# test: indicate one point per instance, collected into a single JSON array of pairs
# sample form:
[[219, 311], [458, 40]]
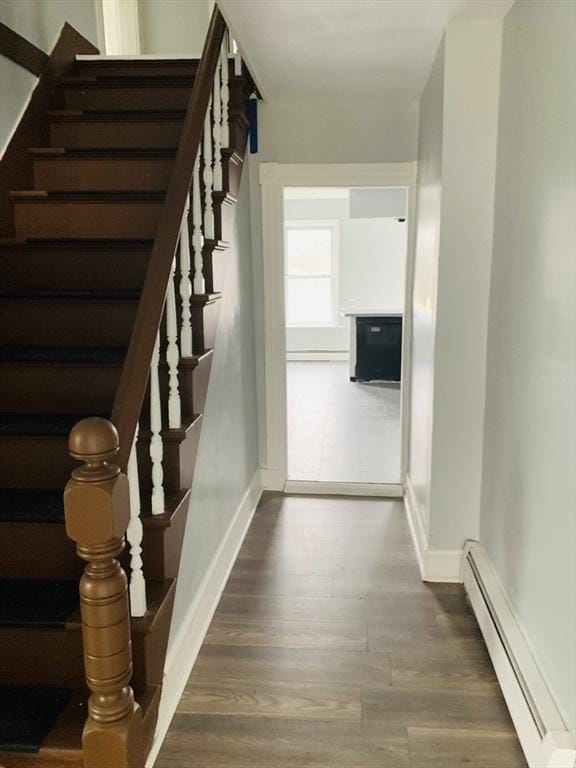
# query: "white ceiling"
[[352, 50]]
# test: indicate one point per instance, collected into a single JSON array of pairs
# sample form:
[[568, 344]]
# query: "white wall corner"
[[184, 649], [537, 717], [272, 479], [436, 565]]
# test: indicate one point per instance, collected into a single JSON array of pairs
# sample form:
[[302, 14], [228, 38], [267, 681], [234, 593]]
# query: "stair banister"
[[102, 500], [136, 369], [97, 512]]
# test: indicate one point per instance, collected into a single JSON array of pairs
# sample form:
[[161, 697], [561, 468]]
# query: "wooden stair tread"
[[129, 80], [54, 603], [204, 298], [129, 61], [24, 505], [75, 242], [39, 424], [19, 505], [178, 434], [65, 355], [28, 714], [116, 115], [81, 295], [97, 153], [62, 744], [35, 603], [172, 503], [91, 196]]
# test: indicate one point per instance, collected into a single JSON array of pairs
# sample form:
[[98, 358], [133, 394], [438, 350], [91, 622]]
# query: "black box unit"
[[378, 348]]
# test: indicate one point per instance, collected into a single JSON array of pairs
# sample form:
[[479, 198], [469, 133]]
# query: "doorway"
[[337, 245], [344, 288]]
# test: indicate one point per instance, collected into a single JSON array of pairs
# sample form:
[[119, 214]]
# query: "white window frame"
[[334, 226]]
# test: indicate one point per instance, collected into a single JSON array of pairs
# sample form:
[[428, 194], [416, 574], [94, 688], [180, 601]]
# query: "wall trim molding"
[[186, 645], [324, 488], [437, 565], [315, 355], [541, 728]]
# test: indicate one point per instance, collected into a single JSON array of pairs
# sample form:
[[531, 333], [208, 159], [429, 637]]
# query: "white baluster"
[[237, 58], [208, 178], [185, 284], [225, 94], [197, 237], [172, 356], [217, 130], [134, 536], [156, 447]]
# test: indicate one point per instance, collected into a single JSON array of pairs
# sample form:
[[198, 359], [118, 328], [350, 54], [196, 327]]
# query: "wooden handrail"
[[136, 369], [22, 51]]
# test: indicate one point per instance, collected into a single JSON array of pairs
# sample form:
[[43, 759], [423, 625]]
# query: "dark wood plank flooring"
[[327, 651]]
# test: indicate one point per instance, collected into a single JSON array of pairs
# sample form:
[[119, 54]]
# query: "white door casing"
[[274, 178]]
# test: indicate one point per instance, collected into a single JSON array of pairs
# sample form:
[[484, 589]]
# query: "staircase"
[[109, 301]]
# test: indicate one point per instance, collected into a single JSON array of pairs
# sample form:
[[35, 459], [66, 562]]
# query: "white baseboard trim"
[[438, 565], [314, 355], [417, 529], [541, 728], [324, 488], [188, 641]]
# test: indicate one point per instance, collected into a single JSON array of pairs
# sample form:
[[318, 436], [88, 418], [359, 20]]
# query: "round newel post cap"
[[95, 442]]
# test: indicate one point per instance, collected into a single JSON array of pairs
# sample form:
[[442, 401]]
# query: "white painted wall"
[[452, 274], [528, 493], [228, 451], [472, 66], [429, 195], [40, 22], [176, 27], [371, 268]]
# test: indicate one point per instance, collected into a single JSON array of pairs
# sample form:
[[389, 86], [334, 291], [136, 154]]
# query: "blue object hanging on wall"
[[253, 115]]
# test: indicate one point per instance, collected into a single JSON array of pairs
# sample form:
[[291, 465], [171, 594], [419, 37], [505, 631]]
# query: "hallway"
[[327, 651]]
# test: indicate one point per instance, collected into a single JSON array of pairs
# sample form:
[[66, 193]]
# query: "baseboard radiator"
[[545, 738]]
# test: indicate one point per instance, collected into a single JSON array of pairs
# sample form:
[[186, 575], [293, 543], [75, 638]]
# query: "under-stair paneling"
[[228, 452]]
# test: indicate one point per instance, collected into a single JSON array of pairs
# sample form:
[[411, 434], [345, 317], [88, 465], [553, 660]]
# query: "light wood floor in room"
[[327, 651]]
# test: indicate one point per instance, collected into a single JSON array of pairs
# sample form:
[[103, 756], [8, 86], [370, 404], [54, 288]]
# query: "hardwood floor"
[[327, 651]]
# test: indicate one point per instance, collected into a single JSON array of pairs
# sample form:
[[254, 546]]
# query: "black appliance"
[[378, 348]]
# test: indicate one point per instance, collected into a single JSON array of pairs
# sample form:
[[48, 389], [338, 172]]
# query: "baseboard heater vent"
[[545, 738]]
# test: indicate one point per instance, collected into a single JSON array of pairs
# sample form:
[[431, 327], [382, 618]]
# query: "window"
[[310, 256]]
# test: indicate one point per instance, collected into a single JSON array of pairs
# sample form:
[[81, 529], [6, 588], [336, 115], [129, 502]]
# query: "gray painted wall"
[[346, 132], [429, 194], [452, 280], [529, 498], [176, 27], [470, 125], [40, 22], [228, 451], [371, 268]]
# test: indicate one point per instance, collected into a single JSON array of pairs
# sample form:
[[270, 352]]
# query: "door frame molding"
[[273, 178]]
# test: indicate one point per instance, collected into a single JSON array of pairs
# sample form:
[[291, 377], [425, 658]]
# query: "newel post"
[[97, 509]]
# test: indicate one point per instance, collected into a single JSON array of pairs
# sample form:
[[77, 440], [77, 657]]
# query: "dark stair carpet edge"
[[21, 505], [78, 355], [40, 424], [27, 715], [37, 603]]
